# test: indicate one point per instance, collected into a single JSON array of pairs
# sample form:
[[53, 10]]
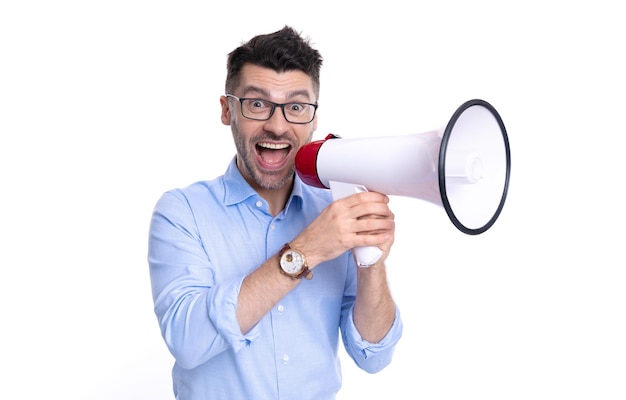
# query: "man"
[[252, 273]]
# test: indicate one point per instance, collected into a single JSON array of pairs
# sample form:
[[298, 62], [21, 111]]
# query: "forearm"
[[374, 308], [260, 291], [265, 286]]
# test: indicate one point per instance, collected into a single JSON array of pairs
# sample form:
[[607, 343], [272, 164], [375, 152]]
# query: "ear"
[[225, 110]]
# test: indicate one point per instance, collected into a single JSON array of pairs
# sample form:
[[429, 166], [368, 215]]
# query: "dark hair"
[[284, 50]]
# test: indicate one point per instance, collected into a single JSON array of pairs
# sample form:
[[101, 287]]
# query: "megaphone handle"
[[365, 256]]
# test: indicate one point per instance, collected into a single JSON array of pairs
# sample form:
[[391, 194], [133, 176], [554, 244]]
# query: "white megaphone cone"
[[464, 167]]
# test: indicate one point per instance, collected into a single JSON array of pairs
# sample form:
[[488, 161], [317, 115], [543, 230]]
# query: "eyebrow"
[[264, 93]]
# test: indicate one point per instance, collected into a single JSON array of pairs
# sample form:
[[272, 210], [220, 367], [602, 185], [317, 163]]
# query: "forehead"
[[277, 86]]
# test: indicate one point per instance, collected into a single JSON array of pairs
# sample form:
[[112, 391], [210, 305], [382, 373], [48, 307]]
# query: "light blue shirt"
[[204, 239]]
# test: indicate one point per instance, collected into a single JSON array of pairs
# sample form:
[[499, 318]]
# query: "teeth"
[[274, 146]]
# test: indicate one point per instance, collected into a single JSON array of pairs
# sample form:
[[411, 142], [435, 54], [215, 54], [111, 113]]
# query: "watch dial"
[[291, 262]]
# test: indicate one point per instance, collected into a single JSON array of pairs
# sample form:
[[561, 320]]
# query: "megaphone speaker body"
[[396, 165], [463, 167]]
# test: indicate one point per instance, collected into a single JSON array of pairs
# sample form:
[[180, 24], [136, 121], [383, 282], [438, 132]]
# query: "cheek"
[[240, 138], [306, 136]]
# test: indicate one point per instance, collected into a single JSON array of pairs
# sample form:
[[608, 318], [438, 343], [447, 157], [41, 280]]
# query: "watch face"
[[291, 262]]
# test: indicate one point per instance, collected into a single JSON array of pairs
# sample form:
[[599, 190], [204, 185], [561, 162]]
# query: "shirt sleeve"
[[185, 293], [371, 357]]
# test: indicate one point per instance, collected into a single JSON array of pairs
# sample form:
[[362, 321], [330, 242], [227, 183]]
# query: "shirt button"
[[285, 358], [259, 203], [281, 308]]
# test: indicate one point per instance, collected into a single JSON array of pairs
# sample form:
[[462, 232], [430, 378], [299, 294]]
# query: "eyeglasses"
[[262, 110]]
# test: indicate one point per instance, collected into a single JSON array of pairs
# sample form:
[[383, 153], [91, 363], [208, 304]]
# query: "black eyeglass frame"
[[274, 105]]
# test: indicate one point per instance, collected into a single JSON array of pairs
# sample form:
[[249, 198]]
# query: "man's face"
[[266, 150]]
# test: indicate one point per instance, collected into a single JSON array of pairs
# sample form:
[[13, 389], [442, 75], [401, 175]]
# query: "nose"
[[277, 122]]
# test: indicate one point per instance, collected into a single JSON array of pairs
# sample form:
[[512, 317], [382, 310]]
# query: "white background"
[[105, 105]]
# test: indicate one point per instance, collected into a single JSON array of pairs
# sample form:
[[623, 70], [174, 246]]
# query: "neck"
[[276, 198]]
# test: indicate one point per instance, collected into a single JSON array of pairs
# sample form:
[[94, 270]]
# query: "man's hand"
[[362, 219]]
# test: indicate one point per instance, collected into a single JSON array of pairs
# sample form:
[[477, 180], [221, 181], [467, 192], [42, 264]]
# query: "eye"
[[257, 104], [296, 108]]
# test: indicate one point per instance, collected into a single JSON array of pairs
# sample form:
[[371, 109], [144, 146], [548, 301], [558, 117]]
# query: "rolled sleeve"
[[222, 306], [371, 357]]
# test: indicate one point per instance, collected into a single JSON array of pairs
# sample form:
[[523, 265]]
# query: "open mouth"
[[273, 154]]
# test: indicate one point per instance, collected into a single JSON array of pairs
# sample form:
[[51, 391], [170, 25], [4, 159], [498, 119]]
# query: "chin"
[[273, 182]]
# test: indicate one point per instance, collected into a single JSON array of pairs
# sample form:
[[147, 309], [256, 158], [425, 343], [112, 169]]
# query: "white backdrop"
[[105, 105]]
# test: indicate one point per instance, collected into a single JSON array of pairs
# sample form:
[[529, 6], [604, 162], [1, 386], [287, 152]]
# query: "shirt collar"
[[237, 190]]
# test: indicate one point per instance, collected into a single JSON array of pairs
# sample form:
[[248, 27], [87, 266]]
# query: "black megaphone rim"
[[442, 164]]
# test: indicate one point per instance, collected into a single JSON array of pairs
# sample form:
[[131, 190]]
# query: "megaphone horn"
[[464, 167]]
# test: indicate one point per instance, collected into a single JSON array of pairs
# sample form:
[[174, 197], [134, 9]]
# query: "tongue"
[[272, 156]]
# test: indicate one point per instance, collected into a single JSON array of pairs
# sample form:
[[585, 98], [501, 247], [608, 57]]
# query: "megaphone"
[[464, 167]]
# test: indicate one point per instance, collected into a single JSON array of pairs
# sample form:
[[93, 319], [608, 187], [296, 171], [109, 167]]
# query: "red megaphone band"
[[306, 162]]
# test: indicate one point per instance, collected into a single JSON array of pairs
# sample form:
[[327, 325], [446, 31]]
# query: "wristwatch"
[[292, 263]]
